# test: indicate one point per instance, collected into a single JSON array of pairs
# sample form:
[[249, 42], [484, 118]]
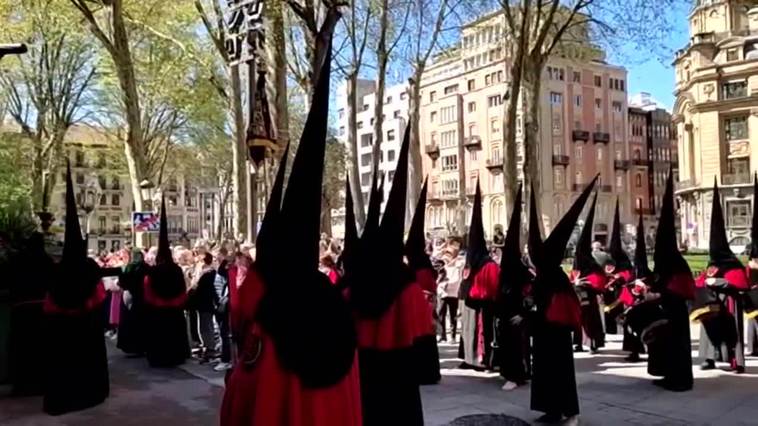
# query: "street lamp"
[[12, 49], [146, 190], [90, 194]]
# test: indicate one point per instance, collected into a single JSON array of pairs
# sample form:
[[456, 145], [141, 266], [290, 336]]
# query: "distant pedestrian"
[[205, 300]]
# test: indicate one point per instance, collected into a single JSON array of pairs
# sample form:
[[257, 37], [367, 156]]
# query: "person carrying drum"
[[620, 274], [589, 281], [719, 305]]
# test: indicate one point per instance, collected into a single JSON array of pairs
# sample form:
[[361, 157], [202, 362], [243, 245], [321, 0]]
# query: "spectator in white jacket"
[[448, 284]]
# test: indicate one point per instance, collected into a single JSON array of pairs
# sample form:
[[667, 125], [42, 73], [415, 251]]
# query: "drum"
[[613, 304], [706, 304], [647, 320], [585, 294]]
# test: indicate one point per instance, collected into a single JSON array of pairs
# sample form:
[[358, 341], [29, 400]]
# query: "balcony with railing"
[[736, 178], [605, 188], [684, 184], [579, 186], [472, 142], [433, 151], [560, 160], [643, 210], [641, 162], [621, 164], [495, 165], [601, 137], [580, 135]]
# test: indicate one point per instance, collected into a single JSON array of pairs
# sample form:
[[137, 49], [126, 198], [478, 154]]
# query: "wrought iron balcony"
[[640, 162], [621, 164], [601, 137], [495, 165], [433, 151], [472, 142], [736, 178], [560, 160], [580, 135]]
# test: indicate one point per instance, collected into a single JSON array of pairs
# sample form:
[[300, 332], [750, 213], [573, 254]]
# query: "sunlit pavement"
[[611, 391]]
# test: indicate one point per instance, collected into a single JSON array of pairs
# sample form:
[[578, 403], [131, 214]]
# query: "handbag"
[[564, 309]]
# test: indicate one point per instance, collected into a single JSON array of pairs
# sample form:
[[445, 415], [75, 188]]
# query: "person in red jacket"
[[589, 280], [297, 360], [426, 277], [620, 273], [479, 291], [721, 334]]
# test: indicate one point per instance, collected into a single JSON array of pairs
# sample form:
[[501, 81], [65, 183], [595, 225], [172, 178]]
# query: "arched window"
[[638, 180], [497, 215], [578, 178], [636, 155]]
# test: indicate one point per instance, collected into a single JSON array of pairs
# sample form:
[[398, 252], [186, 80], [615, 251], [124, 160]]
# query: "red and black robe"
[[592, 321], [478, 316], [166, 340]]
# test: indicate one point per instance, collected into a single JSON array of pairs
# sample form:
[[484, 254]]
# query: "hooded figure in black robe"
[[721, 334], [479, 292], [131, 328], [514, 305], [590, 280], [76, 365], [634, 292], [620, 273], [392, 313], [166, 340], [752, 271], [557, 315], [27, 294], [350, 242], [420, 264], [671, 357]]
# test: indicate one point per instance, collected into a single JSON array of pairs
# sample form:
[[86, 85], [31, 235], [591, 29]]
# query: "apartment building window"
[[390, 155], [448, 139], [433, 116], [495, 125], [488, 80], [557, 149], [735, 128], [103, 199], [578, 178], [388, 100], [556, 73], [577, 125], [471, 85], [365, 160], [638, 180], [432, 96], [367, 140], [598, 81], [451, 89], [390, 135], [341, 112], [79, 159], [731, 55], [472, 131], [734, 89], [619, 181], [616, 105], [599, 153], [577, 77], [558, 177], [556, 98], [739, 213], [495, 153], [365, 177], [115, 200], [396, 114], [471, 106], [101, 224], [472, 155], [578, 100], [433, 138], [556, 125], [622, 86], [80, 178], [447, 115], [115, 224], [360, 125], [598, 103], [494, 101], [450, 187], [518, 125], [499, 76], [449, 162], [578, 151], [101, 160]]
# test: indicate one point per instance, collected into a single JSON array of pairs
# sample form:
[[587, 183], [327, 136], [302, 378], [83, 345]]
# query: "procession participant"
[[448, 287], [620, 273], [27, 294], [589, 280], [513, 309], [634, 293], [350, 242], [479, 291], [77, 376], [296, 337], [752, 271], [165, 292], [131, 329], [426, 277], [392, 314], [557, 314], [674, 286], [721, 333]]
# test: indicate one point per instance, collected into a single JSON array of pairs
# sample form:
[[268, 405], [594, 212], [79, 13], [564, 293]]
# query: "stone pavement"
[[611, 392]]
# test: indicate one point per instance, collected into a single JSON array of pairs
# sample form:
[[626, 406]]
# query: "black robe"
[[166, 339], [131, 328], [513, 351], [76, 364], [671, 355], [27, 347]]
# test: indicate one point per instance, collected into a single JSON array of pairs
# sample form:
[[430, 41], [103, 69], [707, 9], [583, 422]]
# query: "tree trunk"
[[278, 64], [415, 167], [326, 215], [382, 57], [532, 89], [239, 165], [352, 150]]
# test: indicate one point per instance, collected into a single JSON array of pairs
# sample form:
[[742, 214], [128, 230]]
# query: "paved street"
[[612, 392]]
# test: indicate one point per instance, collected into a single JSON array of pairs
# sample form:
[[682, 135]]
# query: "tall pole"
[[252, 202]]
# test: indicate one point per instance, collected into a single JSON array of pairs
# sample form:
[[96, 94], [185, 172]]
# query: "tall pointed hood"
[[535, 243], [584, 262], [477, 254], [619, 256], [350, 242], [555, 244], [719, 252], [667, 258], [298, 293], [74, 248], [641, 268], [754, 228], [371, 227], [415, 246], [392, 226], [513, 273], [266, 239], [164, 249]]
